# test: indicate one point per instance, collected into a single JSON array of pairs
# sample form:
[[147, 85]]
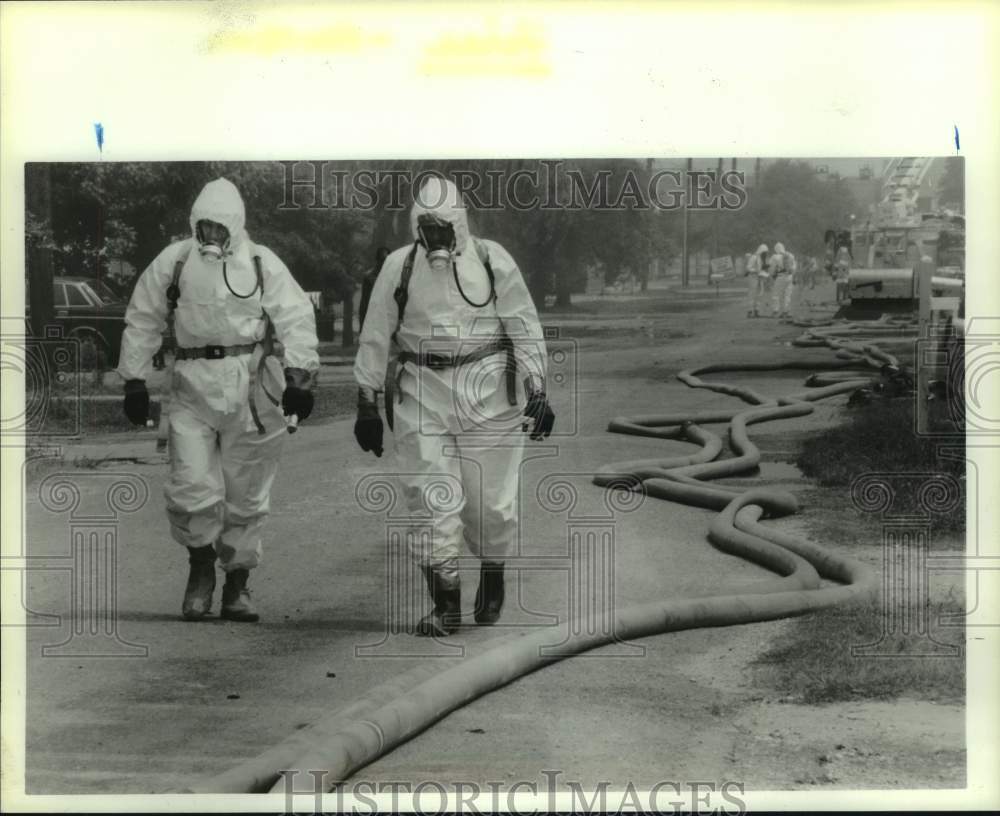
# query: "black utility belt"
[[444, 360], [213, 352]]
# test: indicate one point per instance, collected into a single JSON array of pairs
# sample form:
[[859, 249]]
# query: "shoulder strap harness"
[[401, 296], [402, 293], [268, 342]]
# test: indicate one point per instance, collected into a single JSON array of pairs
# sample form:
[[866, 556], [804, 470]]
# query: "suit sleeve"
[[146, 315], [291, 313], [520, 318], [380, 324]]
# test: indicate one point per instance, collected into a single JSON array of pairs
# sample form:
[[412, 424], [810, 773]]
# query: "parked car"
[[90, 310]]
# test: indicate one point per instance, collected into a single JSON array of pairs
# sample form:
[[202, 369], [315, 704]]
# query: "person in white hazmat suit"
[[228, 299], [470, 368], [784, 282], [757, 271], [778, 276]]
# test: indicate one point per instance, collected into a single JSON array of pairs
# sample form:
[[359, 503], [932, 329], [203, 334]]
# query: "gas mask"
[[438, 239], [213, 241]]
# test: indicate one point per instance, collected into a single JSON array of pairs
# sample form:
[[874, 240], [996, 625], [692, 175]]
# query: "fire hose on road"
[[394, 712]]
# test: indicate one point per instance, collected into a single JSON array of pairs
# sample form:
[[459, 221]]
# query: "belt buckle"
[[215, 352]]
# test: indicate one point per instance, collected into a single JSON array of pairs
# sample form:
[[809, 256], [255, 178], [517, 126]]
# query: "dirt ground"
[[675, 707]]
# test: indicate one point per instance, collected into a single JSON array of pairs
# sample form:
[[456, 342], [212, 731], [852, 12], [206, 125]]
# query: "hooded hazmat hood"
[[221, 202], [440, 197]]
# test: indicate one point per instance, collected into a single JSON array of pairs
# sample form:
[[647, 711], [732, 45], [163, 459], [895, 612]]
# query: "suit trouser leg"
[[490, 467], [249, 464], [194, 491], [431, 482]]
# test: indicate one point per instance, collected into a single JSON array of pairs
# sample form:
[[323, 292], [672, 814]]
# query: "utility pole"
[[687, 201]]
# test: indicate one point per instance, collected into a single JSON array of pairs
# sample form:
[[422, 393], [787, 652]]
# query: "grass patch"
[[829, 516], [812, 661], [879, 438]]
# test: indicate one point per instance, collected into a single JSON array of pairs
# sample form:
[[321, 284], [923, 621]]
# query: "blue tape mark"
[[958, 145], [99, 133]]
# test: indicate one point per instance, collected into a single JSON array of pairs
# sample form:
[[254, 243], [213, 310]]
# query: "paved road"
[[195, 699]]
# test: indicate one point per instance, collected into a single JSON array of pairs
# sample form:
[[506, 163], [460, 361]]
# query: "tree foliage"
[[97, 212], [790, 204]]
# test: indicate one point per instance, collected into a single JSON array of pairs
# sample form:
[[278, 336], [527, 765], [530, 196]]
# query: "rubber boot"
[[236, 603], [446, 593], [490, 595], [200, 584]]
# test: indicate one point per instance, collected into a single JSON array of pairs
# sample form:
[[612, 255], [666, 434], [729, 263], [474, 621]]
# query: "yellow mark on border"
[[518, 51], [270, 41]]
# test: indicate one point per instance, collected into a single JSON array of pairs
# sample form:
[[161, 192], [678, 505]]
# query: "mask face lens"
[[436, 234], [213, 240]]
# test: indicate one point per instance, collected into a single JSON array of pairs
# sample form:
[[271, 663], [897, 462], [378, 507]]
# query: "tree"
[[791, 204], [602, 216], [133, 210]]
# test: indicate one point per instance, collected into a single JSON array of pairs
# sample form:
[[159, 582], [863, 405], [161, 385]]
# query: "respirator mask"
[[213, 241], [438, 239]]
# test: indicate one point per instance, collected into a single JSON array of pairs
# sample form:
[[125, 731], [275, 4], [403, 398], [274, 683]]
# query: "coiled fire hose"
[[398, 710]]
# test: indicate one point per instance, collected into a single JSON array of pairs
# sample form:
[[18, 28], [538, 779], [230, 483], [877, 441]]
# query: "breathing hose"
[[398, 710]]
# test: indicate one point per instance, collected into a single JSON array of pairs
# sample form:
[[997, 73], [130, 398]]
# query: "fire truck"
[[899, 234]]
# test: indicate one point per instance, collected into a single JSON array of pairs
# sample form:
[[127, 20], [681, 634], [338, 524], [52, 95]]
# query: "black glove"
[[136, 402], [368, 426], [297, 399], [538, 409]]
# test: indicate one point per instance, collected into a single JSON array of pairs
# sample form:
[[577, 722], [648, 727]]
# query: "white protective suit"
[[222, 468], [759, 278], [784, 281], [779, 277], [455, 422]]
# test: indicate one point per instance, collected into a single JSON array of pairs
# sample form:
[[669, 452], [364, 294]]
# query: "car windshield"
[[104, 292]]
